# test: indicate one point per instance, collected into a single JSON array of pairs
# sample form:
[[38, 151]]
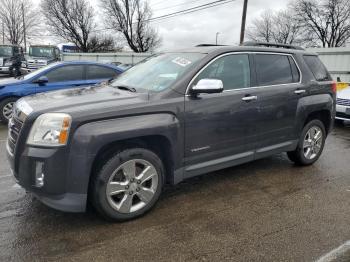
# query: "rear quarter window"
[[317, 68]]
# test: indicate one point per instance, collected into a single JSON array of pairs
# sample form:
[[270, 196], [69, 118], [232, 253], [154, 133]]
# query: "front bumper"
[[25, 70], [55, 192], [342, 113], [4, 70]]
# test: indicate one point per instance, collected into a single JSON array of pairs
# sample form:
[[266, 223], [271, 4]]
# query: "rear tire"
[[128, 185], [311, 144], [6, 106]]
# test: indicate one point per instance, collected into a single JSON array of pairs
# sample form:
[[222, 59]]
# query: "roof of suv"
[[226, 49]]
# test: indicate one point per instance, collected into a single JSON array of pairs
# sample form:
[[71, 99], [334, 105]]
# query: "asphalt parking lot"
[[268, 210]]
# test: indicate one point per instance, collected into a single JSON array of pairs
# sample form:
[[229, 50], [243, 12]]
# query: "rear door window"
[[317, 68], [66, 73], [100, 72], [273, 69]]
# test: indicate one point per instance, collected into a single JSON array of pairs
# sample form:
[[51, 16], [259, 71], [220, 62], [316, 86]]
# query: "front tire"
[[6, 107], [311, 144], [128, 185]]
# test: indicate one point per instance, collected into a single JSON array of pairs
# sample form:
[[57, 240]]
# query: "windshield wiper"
[[127, 88]]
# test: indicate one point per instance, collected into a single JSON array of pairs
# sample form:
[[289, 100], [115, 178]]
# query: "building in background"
[[337, 61]]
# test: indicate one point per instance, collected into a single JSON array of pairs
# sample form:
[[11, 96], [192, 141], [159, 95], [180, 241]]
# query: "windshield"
[[37, 51], [6, 51], [158, 72], [38, 71]]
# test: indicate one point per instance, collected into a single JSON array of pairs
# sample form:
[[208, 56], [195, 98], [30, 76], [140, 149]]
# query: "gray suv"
[[171, 117]]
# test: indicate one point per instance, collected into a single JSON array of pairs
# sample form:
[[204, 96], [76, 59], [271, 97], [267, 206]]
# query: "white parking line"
[[341, 253]]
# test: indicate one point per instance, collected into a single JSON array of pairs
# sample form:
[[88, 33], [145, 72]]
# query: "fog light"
[[39, 174]]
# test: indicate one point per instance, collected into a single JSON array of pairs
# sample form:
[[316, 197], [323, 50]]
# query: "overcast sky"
[[201, 27]]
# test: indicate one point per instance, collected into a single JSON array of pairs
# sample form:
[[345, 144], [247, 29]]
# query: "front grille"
[[35, 65], [14, 130], [343, 102]]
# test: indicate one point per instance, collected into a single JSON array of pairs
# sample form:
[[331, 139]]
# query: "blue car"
[[60, 75]]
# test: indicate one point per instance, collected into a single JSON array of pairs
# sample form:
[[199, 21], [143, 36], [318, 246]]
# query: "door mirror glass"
[[41, 80], [208, 86]]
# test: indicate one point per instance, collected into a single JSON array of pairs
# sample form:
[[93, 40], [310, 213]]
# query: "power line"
[[182, 12], [168, 7], [191, 10], [178, 13]]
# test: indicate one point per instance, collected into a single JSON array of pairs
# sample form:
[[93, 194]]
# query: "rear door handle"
[[249, 98], [299, 91]]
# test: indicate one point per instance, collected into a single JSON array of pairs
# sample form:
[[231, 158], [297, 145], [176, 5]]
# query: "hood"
[[10, 81], [84, 101], [344, 94]]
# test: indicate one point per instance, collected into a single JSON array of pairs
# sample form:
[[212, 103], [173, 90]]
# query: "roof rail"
[[266, 44], [202, 45]]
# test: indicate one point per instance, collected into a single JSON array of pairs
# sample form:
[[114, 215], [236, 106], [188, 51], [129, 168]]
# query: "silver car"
[[343, 104]]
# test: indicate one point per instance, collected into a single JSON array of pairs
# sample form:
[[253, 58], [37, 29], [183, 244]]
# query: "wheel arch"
[[158, 144], [321, 107], [10, 97], [323, 115]]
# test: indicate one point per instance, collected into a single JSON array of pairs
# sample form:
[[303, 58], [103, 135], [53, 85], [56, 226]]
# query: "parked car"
[[171, 117], [60, 75], [343, 105]]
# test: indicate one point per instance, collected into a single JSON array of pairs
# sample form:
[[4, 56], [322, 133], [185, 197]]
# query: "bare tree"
[[286, 29], [280, 27], [103, 44], [131, 18], [11, 16], [328, 21], [73, 20], [261, 28]]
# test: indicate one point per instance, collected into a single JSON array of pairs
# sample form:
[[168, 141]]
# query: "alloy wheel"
[[7, 110], [132, 186], [312, 142]]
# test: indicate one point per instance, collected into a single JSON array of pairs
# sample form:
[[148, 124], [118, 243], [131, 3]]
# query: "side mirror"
[[208, 86], [41, 80]]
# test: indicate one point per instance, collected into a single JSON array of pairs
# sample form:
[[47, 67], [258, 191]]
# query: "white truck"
[[42, 55]]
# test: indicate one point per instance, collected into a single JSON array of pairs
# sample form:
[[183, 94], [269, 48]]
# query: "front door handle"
[[249, 98], [299, 91]]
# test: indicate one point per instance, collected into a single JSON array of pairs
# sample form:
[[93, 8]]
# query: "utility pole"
[[244, 15], [216, 39], [24, 29]]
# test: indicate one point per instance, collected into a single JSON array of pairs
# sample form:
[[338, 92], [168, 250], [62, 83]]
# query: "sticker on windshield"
[[173, 76], [181, 61]]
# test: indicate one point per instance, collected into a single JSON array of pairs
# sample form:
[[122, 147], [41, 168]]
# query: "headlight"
[[51, 129], [8, 63]]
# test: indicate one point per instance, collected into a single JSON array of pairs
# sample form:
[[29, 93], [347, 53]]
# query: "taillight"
[[334, 87]]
